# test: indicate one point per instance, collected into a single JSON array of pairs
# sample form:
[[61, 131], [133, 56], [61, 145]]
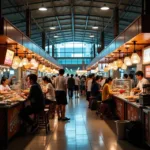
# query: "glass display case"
[[123, 86]]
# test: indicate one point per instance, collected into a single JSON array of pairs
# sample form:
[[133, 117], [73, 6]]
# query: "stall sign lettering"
[[147, 71], [9, 57]]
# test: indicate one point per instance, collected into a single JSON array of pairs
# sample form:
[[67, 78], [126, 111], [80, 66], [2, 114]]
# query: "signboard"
[[146, 56], [147, 71], [9, 57]]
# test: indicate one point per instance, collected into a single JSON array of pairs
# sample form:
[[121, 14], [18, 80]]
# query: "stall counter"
[[127, 110], [10, 121]]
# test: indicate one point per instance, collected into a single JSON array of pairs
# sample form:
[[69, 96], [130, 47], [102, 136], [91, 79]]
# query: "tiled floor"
[[85, 131]]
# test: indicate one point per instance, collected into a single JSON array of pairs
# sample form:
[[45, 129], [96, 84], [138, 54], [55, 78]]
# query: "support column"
[[94, 51], [116, 22], [102, 42], [1, 18], [28, 22], [53, 50], [48, 51], [43, 40], [145, 7]]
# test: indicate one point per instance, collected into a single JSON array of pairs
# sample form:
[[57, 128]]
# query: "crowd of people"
[[57, 88]]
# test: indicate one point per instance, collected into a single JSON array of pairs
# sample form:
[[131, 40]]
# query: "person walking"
[[61, 98], [77, 84], [71, 85]]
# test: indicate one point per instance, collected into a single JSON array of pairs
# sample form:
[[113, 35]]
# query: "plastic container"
[[120, 128]]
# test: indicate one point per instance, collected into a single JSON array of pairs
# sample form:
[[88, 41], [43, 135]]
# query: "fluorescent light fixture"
[[104, 7], [42, 8], [55, 36], [95, 27], [53, 28], [91, 36]]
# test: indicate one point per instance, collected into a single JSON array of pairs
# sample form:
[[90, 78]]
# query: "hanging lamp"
[[127, 60], [104, 7], [119, 61], [135, 57], [115, 67], [42, 8], [25, 60], [16, 60]]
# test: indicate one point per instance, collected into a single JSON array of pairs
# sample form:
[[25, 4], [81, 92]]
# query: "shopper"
[[140, 77], [36, 99], [107, 96], [125, 76], [61, 99], [77, 84], [95, 90], [132, 80], [82, 85], [89, 86], [71, 85], [4, 85], [102, 81]]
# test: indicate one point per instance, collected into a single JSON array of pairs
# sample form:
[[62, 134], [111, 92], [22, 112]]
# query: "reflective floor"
[[85, 131]]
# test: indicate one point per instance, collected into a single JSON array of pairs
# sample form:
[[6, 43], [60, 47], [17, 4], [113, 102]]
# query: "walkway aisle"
[[84, 132]]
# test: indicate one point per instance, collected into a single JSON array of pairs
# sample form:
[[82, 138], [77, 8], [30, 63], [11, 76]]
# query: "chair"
[[43, 120]]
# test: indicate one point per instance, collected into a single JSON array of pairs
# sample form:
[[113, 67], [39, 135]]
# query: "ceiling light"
[[104, 7], [55, 36], [91, 36], [42, 8], [95, 27], [124, 67], [25, 61], [127, 61], [53, 28]]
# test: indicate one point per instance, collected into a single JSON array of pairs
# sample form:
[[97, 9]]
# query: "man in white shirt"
[[89, 86], [140, 76], [77, 83], [61, 98]]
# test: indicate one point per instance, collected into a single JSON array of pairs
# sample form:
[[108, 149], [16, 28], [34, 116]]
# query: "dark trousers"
[[70, 92], [88, 95], [26, 112], [112, 105]]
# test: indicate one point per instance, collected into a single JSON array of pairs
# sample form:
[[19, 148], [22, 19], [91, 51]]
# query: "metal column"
[[116, 21], [48, 51], [53, 50], [28, 22], [43, 40], [145, 7], [94, 50]]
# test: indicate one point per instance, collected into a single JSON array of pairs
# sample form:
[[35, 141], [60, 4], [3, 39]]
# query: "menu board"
[[146, 55], [147, 71], [9, 57]]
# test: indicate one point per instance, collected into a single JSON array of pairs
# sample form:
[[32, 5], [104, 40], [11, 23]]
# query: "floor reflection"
[[83, 131]]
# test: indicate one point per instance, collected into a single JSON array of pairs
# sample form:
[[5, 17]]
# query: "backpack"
[[134, 132]]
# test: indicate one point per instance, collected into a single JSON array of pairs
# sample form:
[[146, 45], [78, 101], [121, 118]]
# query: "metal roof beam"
[[72, 17]]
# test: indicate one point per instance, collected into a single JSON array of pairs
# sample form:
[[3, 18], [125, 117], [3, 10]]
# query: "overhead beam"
[[72, 17]]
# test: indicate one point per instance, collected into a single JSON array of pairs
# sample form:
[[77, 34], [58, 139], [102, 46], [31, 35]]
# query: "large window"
[[73, 53]]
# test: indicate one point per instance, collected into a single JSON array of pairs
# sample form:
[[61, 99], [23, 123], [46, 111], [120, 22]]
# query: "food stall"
[[21, 56]]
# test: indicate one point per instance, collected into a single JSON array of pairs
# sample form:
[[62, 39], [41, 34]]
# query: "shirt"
[[60, 83], [71, 83], [89, 85], [140, 84], [36, 96], [106, 92], [4, 88], [51, 92], [77, 81]]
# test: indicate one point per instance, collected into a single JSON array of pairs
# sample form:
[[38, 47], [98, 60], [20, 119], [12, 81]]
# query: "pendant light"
[[115, 67], [135, 57], [25, 60], [16, 60], [127, 60], [104, 7], [119, 61], [42, 8], [95, 27], [106, 67], [33, 61]]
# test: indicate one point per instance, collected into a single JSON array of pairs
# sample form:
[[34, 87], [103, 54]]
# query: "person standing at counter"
[[37, 102], [140, 77], [4, 85], [107, 96], [61, 97]]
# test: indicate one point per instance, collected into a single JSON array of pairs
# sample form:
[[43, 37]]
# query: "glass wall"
[[73, 53]]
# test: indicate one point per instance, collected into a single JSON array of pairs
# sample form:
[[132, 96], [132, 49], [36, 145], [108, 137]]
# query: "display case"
[[123, 86]]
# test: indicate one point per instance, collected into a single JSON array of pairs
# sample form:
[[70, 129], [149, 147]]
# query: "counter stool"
[[43, 120]]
